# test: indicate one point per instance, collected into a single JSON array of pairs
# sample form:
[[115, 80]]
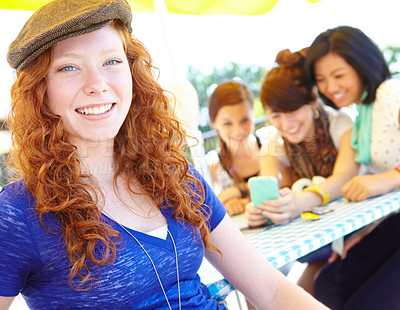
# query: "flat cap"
[[62, 19]]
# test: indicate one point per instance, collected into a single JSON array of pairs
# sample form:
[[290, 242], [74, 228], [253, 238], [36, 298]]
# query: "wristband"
[[397, 168], [321, 192]]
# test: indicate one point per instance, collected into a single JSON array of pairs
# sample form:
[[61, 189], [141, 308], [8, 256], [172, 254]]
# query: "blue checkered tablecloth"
[[286, 243], [283, 244]]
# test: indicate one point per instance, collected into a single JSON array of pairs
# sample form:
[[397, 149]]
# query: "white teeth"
[[293, 130], [337, 96], [96, 110]]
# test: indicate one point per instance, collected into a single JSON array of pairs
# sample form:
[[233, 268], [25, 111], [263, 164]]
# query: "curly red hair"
[[148, 148]]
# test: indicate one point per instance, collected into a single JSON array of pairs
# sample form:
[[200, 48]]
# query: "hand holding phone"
[[263, 188]]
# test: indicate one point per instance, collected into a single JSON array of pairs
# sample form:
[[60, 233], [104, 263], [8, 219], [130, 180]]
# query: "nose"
[[95, 82], [286, 120], [331, 86], [237, 129]]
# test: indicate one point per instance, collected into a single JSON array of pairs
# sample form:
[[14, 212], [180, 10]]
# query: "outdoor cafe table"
[[286, 243]]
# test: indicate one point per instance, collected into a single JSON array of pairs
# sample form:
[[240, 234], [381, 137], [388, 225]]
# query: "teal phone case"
[[263, 188]]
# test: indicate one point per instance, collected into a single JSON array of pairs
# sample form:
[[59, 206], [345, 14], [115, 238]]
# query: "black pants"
[[369, 277]]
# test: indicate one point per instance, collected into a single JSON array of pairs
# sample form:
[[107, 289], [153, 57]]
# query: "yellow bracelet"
[[322, 192]]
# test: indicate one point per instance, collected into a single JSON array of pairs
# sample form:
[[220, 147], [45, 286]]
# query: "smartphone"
[[263, 188]]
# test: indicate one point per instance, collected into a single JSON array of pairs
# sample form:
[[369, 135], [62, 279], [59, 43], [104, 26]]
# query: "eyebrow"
[[332, 72], [338, 69]]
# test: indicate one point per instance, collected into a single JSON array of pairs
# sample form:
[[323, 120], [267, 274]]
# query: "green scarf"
[[361, 135]]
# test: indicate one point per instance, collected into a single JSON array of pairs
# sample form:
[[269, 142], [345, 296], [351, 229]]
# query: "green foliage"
[[391, 54], [205, 84], [252, 75], [258, 108]]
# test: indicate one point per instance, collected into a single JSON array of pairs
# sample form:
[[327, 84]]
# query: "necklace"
[[152, 263]]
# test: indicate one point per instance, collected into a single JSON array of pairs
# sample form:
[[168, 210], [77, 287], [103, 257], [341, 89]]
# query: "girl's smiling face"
[[337, 80], [296, 126], [234, 123], [89, 85]]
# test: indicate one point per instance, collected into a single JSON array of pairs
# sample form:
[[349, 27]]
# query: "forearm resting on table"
[[235, 205], [307, 200], [366, 186], [227, 194], [393, 179], [310, 199], [243, 266], [333, 185]]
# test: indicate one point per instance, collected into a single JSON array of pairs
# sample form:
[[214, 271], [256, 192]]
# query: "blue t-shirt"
[[34, 262]]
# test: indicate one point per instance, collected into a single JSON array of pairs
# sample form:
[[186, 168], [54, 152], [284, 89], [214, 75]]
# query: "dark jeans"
[[319, 255], [369, 277]]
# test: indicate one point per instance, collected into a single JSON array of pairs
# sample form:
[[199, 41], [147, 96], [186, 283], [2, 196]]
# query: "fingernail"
[[264, 213]]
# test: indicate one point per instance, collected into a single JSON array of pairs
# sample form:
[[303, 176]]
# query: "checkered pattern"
[[219, 290], [283, 244]]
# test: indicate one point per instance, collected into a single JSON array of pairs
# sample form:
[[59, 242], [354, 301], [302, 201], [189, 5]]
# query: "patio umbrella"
[[192, 7], [187, 107]]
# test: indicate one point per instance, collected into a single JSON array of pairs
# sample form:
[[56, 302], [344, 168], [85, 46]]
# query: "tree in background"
[[205, 84], [252, 75], [391, 54]]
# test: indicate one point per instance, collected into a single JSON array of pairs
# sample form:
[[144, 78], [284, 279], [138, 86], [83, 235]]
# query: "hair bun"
[[291, 64], [286, 58]]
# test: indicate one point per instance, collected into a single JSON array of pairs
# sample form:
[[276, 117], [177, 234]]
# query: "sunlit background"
[[205, 42]]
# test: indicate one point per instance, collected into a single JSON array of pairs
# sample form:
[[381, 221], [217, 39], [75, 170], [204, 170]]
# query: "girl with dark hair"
[[347, 67], [359, 52], [108, 214], [230, 109]]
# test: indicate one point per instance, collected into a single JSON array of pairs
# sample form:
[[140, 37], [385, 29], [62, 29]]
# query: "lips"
[[238, 139], [293, 131], [338, 97], [95, 110]]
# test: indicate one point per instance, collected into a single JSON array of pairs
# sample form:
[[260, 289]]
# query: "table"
[[283, 244]]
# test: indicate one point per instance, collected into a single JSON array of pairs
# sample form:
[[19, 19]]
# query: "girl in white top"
[[344, 74], [348, 67]]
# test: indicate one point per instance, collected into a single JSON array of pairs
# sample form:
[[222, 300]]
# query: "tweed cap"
[[62, 19]]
